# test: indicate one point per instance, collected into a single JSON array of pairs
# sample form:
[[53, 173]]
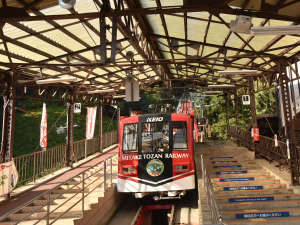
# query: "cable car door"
[[155, 161]]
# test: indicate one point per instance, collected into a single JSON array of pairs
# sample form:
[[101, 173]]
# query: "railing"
[[216, 217], [265, 147], [34, 165], [77, 194], [242, 137]]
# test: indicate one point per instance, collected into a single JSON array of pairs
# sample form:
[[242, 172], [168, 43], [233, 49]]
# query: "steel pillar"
[[236, 113], [253, 109], [289, 124], [70, 132], [236, 108], [118, 121], [227, 115], [100, 109], [8, 123]]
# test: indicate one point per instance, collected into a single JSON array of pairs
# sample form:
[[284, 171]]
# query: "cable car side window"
[[130, 138], [179, 135], [155, 137]]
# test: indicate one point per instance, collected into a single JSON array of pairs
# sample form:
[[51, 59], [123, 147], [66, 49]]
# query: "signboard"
[[43, 128], [8, 177], [132, 91], [255, 132], [90, 122], [251, 199], [215, 162], [262, 215], [232, 172], [227, 166], [246, 99], [243, 188], [77, 108], [237, 179]]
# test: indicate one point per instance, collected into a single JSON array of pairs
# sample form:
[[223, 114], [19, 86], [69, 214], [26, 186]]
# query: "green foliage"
[[28, 119], [216, 112]]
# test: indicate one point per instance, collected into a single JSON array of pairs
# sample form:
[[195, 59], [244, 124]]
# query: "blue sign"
[[254, 199], [243, 188], [262, 215], [232, 172], [214, 162], [232, 166], [237, 179], [221, 157]]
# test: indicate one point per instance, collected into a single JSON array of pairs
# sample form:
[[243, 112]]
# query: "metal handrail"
[[34, 165], [84, 194], [216, 216]]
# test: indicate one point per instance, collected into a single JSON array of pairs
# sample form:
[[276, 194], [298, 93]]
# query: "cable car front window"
[[179, 135], [130, 138], [155, 137]]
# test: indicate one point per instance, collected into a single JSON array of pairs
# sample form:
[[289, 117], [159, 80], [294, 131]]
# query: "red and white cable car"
[[156, 155]]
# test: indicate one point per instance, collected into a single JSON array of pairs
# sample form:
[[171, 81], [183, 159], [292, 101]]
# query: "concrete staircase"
[[247, 194], [65, 201]]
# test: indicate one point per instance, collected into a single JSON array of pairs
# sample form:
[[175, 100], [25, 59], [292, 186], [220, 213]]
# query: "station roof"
[[186, 40]]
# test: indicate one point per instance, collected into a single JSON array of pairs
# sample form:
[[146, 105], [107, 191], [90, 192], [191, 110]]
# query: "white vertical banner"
[[8, 177], [90, 122], [43, 128]]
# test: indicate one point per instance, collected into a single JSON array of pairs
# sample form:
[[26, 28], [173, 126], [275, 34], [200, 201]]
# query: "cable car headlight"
[[181, 168], [129, 170]]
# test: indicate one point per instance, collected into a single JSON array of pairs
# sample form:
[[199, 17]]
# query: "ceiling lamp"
[[241, 24], [53, 81], [276, 30], [66, 4], [221, 86], [98, 91], [238, 72], [119, 96]]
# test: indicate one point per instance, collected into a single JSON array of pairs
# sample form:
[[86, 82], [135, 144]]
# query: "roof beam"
[[163, 10], [219, 46]]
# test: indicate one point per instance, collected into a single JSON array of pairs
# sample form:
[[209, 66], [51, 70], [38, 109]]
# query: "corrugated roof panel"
[[42, 45], [37, 26], [175, 31], [13, 32], [24, 52], [64, 40]]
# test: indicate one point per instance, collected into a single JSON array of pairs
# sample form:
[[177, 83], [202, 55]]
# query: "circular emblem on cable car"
[[155, 167]]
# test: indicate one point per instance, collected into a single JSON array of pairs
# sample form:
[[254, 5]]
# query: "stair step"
[[276, 197], [272, 220], [247, 187], [234, 182], [243, 214], [254, 192], [241, 173], [40, 215], [259, 205]]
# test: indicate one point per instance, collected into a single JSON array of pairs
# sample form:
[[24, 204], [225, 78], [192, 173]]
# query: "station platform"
[[21, 195], [247, 190]]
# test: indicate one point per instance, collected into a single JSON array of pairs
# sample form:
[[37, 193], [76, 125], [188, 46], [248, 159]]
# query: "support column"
[[118, 121], [253, 109], [289, 124], [236, 108], [236, 112], [70, 132], [100, 109], [8, 123], [227, 115]]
